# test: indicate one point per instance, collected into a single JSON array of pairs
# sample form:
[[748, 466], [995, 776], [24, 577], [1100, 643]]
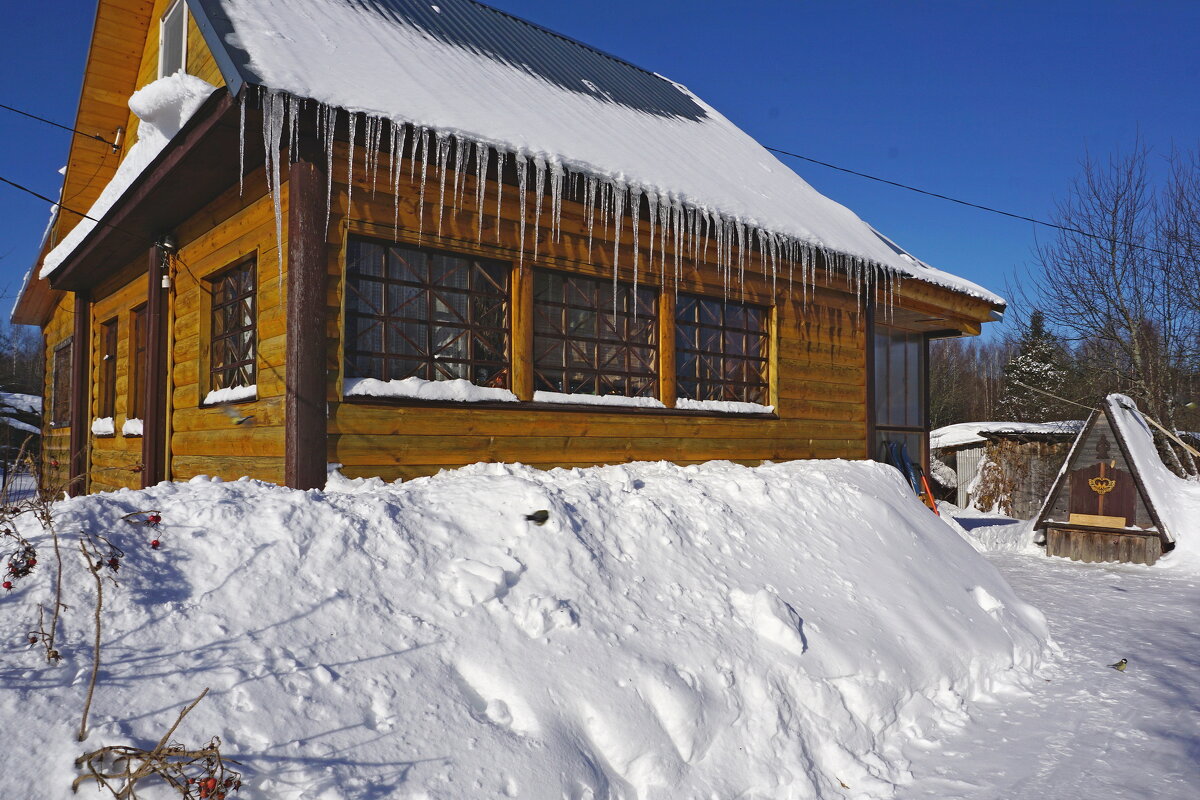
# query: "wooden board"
[[1095, 546]]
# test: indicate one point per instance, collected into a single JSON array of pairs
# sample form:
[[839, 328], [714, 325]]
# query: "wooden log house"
[[216, 318]]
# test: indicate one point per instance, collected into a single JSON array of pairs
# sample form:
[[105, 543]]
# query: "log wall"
[[818, 384]]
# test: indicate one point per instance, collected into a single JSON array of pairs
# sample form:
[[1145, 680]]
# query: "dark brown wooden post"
[[869, 361], [305, 420], [154, 426], [81, 395]]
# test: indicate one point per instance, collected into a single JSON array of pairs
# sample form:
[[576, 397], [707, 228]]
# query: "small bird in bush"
[[538, 517], [1120, 665]]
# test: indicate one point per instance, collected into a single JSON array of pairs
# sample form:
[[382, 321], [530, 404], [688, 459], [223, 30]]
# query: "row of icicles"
[[683, 230]]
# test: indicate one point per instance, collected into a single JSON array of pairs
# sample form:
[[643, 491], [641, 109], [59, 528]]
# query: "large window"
[[172, 47], [584, 343], [720, 350], [137, 365], [60, 415], [107, 395], [900, 413], [233, 327], [425, 314]]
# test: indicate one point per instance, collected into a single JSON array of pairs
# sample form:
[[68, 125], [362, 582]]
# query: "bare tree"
[[1117, 284]]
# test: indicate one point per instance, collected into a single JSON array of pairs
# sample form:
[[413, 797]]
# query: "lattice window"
[[137, 365], [421, 313], [720, 350], [583, 343], [233, 327], [108, 369], [61, 385]]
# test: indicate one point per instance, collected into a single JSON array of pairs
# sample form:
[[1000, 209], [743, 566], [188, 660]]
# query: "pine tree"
[[1038, 363]]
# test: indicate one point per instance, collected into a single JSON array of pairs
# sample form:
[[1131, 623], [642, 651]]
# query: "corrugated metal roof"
[[508, 39]]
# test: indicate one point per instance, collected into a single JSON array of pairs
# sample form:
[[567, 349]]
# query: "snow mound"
[[164, 106], [669, 631]]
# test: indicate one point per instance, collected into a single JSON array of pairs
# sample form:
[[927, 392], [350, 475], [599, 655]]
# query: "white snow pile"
[[164, 106], [1176, 500], [369, 59], [458, 390], [132, 427], [231, 394], [703, 631], [964, 433], [102, 426]]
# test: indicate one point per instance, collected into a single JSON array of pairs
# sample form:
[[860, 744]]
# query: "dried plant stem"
[[94, 568]]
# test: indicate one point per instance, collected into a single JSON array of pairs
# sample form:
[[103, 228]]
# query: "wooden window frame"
[[741, 389], [162, 31], [420, 314], [106, 383], [220, 373], [60, 384], [632, 313], [134, 407], [880, 426]]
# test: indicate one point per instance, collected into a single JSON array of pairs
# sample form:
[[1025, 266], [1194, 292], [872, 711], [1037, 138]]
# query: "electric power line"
[[969, 204], [41, 196], [76, 131], [790, 154]]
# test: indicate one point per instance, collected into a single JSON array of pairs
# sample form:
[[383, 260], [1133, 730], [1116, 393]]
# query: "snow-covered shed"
[[1001, 466], [1113, 499], [401, 236]]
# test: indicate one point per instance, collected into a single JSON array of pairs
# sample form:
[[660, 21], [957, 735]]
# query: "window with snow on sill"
[[723, 406], [614, 400], [231, 395], [457, 390]]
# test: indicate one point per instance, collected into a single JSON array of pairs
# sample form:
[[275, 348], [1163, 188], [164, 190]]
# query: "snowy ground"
[[1088, 731]]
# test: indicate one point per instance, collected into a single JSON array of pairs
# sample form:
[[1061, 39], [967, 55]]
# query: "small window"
[[60, 416], [425, 314], [233, 352], [107, 395], [172, 45], [592, 338], [720, 350], [137, 365]]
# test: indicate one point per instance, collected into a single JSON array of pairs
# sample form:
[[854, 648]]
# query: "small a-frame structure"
[[1103, 506]]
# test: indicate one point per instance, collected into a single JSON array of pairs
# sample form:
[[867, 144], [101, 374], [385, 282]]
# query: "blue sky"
[[993, 102]]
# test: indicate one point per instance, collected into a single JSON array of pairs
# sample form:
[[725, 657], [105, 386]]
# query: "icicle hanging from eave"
[[688, 229]]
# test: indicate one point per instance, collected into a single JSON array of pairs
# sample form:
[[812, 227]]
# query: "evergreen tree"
[[1038, 363]]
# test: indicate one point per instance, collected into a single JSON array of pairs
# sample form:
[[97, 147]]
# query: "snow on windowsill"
[[132, 427], [164, 106], [596, 400], [233, 394], [102, 426], [457, 390], [723, 406]]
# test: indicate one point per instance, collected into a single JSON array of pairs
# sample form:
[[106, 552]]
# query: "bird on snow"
[[538, 517], [1120, 665]]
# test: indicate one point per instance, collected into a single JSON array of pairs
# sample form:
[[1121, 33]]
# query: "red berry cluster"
[[20, 564], [212, 788]]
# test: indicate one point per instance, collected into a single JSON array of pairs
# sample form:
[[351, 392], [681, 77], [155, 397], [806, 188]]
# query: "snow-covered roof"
[[964, 433], [460, 68], [1175, 501]]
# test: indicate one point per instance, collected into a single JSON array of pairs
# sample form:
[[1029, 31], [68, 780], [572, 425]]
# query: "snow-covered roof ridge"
[[964, 433], [459, 69]]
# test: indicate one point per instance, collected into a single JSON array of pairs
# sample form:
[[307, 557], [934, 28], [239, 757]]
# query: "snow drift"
[[716, 631]]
